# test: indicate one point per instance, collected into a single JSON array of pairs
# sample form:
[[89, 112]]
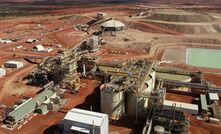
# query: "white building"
[[14, 64], [213, 97], [112, 25], [48, 49], [38, 48], [2, 72], [5, 41], [184, 107], [31, 40], [84, 122], [101, 15]]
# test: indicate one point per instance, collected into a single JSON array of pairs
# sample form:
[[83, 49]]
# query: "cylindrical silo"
[[112, 101], [136, 104]]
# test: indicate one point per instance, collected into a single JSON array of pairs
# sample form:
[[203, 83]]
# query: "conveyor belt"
[[202, 86]]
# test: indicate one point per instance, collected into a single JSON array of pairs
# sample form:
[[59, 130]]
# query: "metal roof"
[[39, 47], [85, 117], [213, 96], [181, 104], [113, 23], [14, 62], [80, 129], [29, 106], [203, 102]]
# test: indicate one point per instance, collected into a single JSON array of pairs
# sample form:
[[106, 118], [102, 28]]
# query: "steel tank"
[[112, 101], [137, 103]]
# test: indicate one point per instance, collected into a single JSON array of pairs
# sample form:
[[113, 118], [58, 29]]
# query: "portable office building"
[[38, 48], [14, 64], [31, 40]]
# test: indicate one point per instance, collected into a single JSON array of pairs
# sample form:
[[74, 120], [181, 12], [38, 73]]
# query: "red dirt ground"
[[158, 28], [202, 127], [178, 97], [214, 78], [84, 10], [45, 123]]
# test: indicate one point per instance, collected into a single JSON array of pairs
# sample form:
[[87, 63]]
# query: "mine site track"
[[6, 82], [155, 27], [181, 23]]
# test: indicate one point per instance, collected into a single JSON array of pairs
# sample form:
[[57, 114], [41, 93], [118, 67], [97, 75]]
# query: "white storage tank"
[[93, 42], [153, 77], [149, 84], [140, 101], [112, 102], [14, 64], [159, 129], [134, 102], [2, 72]]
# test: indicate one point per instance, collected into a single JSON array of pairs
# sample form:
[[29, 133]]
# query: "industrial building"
[[14, 64], [2, 72], [112, 25], [40, 103], [136, 82], [128, 88], [124, 84], [63, 74], [82, 121]]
